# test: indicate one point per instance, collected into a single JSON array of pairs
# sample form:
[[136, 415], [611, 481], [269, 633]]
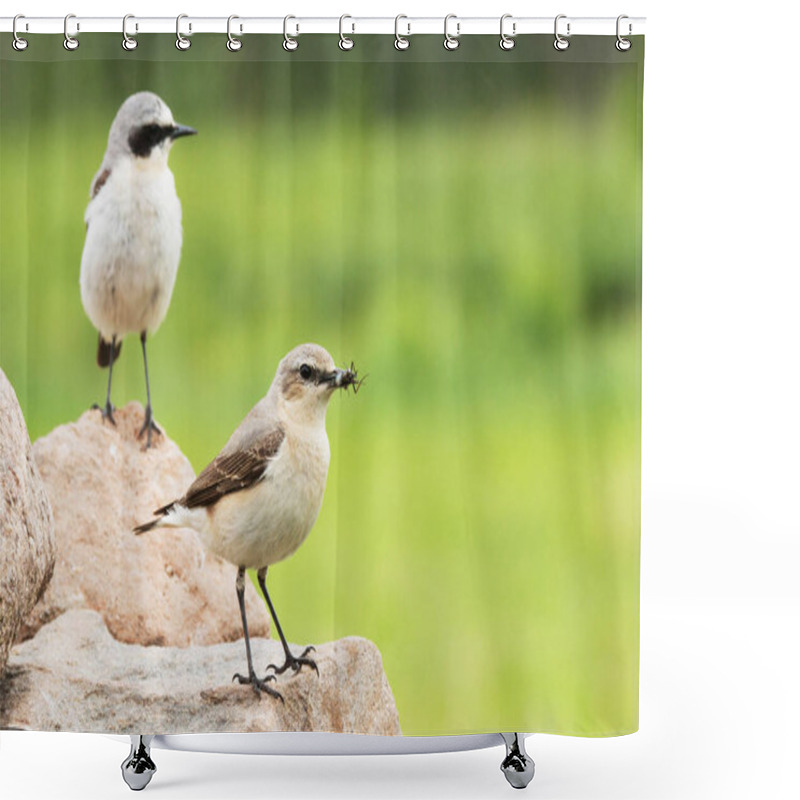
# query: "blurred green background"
[[465, 227]]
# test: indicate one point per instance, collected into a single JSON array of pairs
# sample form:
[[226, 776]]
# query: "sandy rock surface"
[[74, 676], [160, 588], [27, 547]]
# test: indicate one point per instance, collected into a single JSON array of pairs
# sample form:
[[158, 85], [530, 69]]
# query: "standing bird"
[[133, 234], [256, 502]]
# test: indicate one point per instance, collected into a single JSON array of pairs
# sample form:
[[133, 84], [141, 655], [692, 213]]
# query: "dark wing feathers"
[[233, 472], [99, 182], [224, 475]]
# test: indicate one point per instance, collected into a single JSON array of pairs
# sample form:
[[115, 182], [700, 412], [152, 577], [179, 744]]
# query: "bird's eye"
[[306, 372]]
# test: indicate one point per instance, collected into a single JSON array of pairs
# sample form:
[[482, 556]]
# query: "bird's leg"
[[108, 410], [257, 684], [149, 425], [292, 662]]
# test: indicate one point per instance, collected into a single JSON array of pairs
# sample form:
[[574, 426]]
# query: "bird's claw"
[[295, 663], [259, 685], [149, 425], [106, 411]]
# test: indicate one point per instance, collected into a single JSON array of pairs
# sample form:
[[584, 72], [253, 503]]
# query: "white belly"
[[266, 523], [132, 249]]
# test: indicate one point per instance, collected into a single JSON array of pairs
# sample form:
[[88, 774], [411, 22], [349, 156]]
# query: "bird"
[[257, 501], [133, 235]]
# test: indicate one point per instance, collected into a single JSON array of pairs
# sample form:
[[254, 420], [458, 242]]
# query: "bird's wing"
[[99, 182], [234, 471]]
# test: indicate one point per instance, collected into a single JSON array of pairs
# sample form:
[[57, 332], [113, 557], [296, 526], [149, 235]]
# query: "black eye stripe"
[[144, 138]]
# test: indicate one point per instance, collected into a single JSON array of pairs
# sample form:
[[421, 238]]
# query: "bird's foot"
[[295, 663], [259, 685], [149, 426], [107, 411]]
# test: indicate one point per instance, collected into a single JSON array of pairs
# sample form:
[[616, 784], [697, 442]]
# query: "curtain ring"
[[128, 42], [290, 43], [623, 44], [560, 42], [70, 42], [19, 44], [181, 42], [233, 44], [451, 42], [507, 42], [400, 42], [345, 42]]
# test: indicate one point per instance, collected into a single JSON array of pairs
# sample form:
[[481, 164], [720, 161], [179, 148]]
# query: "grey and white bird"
[[257, 501], [133, 234]]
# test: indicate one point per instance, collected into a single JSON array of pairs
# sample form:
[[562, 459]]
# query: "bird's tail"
[[154, 523], [105, 351]]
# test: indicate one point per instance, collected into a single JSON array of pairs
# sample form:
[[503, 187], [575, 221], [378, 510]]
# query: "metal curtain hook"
[[128, 42], [233, 44], [181, 42], [400, 42], [623, 44], [560, 43], [19, 43], [507, 42], [70, 42], [289, 42], [451, 42], [345, 42]]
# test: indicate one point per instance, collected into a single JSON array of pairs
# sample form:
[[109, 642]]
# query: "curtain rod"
[[348, 25]]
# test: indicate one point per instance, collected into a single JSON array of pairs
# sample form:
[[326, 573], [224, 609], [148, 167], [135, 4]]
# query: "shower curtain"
[[464, 227]]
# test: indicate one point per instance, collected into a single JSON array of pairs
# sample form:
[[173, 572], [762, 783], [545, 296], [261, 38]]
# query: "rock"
[[74, 676], [161, 588], [27, 546]]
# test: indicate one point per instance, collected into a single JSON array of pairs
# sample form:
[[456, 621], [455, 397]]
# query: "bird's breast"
[[132, 249], [268, 522]]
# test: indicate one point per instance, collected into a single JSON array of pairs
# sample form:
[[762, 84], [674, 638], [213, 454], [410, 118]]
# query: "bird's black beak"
[[334, 377], [181, 130], [340, 378]]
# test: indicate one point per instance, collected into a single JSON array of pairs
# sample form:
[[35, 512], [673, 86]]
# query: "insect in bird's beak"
[[181, 130], [342, 378]]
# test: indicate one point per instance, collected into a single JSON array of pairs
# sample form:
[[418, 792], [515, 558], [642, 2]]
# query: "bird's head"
[[306, 379], [144, 128]]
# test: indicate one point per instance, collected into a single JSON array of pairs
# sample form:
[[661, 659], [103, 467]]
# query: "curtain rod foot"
[[517, 766], [138, 768]]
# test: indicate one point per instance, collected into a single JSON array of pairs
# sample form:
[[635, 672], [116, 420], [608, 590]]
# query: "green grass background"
[[466, 228]]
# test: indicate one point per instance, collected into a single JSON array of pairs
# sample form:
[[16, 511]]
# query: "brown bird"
[[257, 501]]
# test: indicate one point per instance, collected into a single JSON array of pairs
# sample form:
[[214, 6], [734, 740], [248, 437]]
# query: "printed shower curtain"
[[465, 228]]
